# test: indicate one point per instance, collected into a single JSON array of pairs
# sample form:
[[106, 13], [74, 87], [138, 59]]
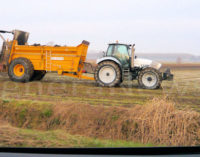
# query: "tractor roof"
[[119, 44]]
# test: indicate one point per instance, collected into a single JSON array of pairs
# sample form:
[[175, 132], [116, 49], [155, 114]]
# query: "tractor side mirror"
[[135, 57]]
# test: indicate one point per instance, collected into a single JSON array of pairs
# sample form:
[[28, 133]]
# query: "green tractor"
[[119, 63]]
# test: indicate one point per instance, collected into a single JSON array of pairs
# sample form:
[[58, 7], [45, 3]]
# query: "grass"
[[158, 122], [16, 137], [47, 113], [54, 88]]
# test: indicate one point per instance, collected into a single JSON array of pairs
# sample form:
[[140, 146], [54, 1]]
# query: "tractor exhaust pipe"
[[132, 56]]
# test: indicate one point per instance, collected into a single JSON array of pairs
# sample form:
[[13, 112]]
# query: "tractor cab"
[[119, 63], [122, 52]]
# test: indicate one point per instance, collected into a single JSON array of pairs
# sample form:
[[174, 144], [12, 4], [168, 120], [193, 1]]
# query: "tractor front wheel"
[[108, 74], [20, 70]]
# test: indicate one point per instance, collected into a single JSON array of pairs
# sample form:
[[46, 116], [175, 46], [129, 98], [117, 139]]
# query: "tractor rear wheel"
[[108, 74], [20, 70], [149, 78], [38, 75]]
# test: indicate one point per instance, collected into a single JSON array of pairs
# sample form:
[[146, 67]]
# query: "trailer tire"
[[108, 74], [149, 78], [38, 75], [20, 70]]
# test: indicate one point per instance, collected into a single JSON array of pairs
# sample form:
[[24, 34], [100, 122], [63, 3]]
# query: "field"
[[65, 112]]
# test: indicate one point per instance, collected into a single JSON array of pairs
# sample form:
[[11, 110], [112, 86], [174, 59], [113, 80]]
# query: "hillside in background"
[[161, 57]]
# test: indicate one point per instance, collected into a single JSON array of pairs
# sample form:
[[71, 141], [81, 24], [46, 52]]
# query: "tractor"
[[119, 63]]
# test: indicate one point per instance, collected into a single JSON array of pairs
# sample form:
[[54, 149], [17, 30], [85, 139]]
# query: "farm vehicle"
[[25, 63]]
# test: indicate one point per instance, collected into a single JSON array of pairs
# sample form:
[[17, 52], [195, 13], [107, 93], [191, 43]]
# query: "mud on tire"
[[20, 75], [147, 75], [113, 74]]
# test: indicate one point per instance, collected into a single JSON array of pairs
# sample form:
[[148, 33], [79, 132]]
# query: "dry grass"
[[157, 122], [17, 137], [160, 122]]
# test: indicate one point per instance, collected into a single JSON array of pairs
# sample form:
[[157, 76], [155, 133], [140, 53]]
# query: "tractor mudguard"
[[109, 58], [115, 60]]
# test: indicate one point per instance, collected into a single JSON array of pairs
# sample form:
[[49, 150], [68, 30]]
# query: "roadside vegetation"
[[157, 122], [17, 137], [65, 112]]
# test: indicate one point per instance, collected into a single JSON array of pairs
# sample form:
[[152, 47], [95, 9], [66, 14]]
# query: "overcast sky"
[[158, 26]]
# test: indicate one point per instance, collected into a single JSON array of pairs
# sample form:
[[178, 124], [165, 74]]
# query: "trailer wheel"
[[20, 70], [107, 74], [149, 78], [38, 75]]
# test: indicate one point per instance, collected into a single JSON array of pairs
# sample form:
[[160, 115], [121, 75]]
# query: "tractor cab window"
[[110, 50], [122, 53]]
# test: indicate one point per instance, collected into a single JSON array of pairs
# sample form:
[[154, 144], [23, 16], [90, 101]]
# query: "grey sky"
[[153, 25]]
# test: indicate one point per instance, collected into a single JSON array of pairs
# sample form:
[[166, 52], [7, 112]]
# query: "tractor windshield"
[[122, 53]]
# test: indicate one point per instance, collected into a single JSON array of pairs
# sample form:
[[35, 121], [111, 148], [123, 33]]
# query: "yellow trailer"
[[31, 62]]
